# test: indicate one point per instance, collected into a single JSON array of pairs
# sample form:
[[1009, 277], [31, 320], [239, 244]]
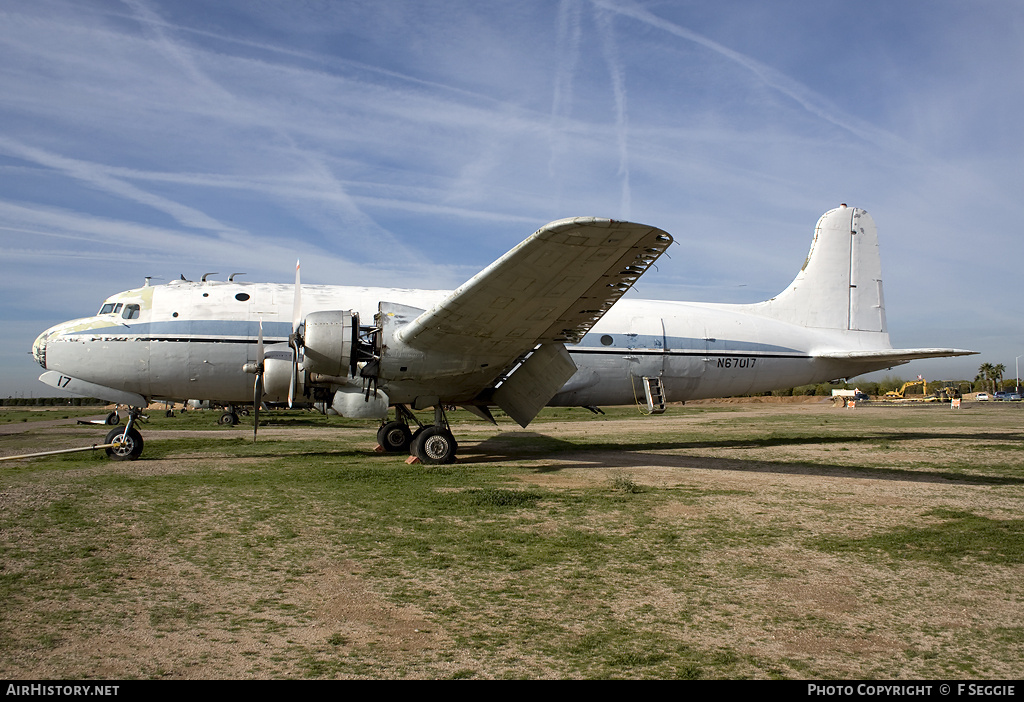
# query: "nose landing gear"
[[128, 441]]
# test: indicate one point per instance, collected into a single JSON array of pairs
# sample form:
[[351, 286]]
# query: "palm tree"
[[985, 371], [997, 375]]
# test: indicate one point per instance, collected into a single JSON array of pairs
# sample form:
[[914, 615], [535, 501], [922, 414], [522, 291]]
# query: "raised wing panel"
[[535, 382], [552, 288]]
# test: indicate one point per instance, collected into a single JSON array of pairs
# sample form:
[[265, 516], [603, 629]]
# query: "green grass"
[[959, 541], [17, 415], [543, 562]]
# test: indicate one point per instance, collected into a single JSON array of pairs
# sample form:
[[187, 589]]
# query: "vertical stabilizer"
[[840, 284]]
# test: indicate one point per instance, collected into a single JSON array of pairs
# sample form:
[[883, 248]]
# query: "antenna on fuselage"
[[231, 278], [206, 274]]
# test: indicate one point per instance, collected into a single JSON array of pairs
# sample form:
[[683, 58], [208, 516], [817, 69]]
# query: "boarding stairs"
[[655, 393]]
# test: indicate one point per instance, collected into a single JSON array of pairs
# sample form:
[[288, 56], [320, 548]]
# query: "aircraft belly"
[[600, 379], [167, 361], [682, 375], [214, 371]]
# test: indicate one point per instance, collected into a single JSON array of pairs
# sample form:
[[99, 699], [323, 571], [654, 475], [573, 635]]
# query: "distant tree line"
[[990, 378], [51, 402]]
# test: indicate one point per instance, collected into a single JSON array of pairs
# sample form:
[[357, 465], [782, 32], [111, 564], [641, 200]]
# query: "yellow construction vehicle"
[[898, 394], [947, 393]]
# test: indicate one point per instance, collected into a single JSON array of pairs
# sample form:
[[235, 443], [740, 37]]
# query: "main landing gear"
[[431, 443]]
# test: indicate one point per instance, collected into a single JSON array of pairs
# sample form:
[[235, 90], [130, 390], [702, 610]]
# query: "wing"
[[551, 288]]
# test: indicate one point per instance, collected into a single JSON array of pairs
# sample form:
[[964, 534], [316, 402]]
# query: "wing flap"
[[551, 288], [534, 383]]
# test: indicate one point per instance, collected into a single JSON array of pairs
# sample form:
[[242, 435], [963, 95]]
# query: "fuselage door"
[[646, 342], [687, 348]]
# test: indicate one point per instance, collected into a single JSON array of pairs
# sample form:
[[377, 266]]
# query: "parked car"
[[982, 396], [1013, 396]]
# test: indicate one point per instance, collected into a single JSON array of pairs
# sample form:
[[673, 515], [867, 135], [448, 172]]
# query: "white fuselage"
[[191, 340]]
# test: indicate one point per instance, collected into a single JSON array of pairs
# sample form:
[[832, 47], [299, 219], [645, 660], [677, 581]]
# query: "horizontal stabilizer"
[[893, 355]]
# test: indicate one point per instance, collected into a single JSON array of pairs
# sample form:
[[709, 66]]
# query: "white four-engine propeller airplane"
[[539, 326]]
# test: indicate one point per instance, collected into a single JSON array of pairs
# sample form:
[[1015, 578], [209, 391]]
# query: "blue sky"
[[410, 144]]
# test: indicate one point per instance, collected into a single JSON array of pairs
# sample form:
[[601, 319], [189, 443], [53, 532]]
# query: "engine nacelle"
[[277, 375], [329, 340]]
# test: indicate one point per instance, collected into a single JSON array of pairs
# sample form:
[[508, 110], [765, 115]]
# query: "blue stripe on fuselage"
[[185, 328], [235, 330], [626, 342]]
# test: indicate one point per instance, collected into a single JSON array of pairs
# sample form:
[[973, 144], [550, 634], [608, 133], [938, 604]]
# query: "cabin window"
[[607, 340], [131, 312], [242, 297]]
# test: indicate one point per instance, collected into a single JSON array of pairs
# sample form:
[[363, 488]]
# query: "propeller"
[[257, 390], [295, 338]]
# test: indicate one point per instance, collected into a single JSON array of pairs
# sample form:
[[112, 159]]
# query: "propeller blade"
[[297, 302], [295, 340], [259, 350], [257, 389], [257, 400], [295, 372]]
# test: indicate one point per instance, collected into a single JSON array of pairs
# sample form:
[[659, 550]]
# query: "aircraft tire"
[[228, 419], [435, 446], [127, 451], [394, 437], [112, 419]]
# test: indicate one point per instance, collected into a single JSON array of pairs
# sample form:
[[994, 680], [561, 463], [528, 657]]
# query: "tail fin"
[[840, 283]]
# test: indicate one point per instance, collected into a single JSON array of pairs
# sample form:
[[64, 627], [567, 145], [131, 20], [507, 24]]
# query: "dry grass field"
[[715, 541]]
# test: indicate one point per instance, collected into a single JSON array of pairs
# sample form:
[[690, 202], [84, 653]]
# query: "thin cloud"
[[808, 99]]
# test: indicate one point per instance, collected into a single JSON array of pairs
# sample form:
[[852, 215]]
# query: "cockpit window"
[[130, 312], [110, 308]]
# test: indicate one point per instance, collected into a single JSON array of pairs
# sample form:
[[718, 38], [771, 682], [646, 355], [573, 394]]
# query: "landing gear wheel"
[[394, 437], [130, 446], [434, 445], [228, 419], [420, 430], [112, 419], [416, 434]]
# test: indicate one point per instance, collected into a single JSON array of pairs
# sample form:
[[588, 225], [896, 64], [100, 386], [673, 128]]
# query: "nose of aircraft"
[[39, 345], [39, 348]]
